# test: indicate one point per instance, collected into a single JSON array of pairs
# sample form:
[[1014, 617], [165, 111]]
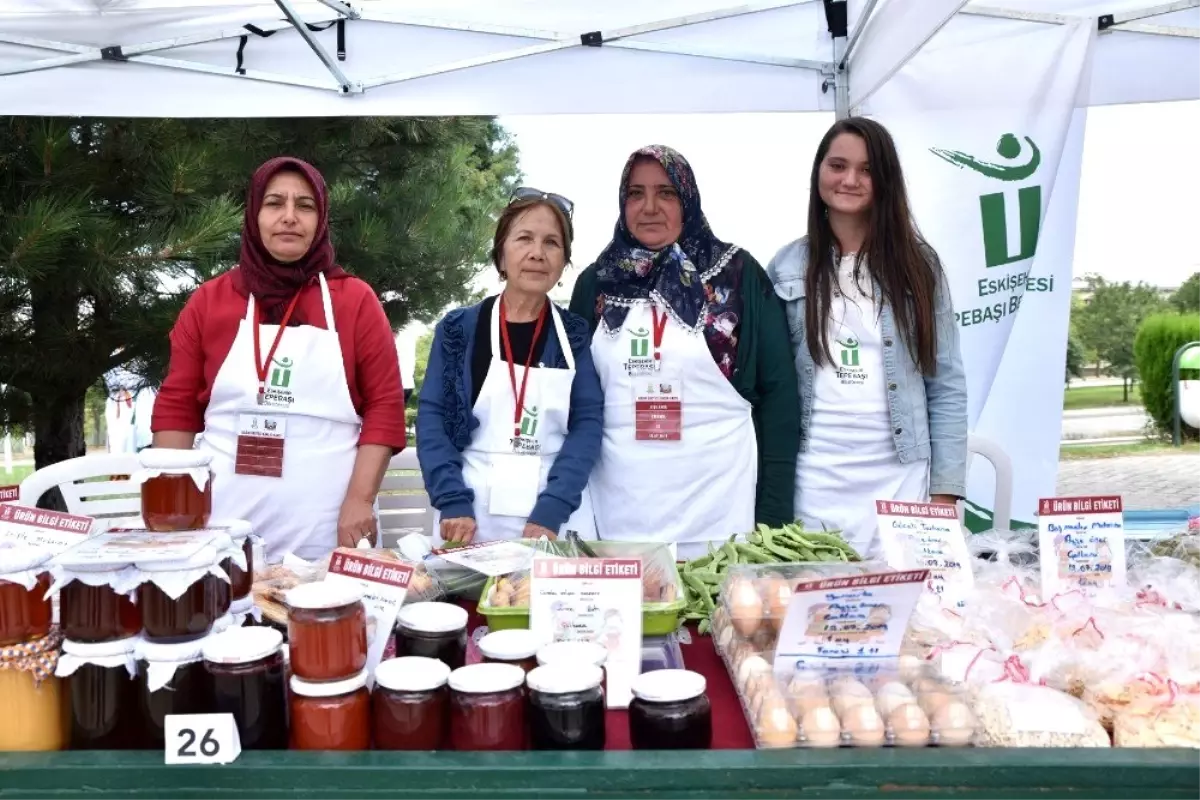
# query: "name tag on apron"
[[514, 482], [658, 408], [260, 444]]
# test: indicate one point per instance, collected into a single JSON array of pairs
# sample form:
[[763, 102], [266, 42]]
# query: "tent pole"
[[348, 86], [837, 21]]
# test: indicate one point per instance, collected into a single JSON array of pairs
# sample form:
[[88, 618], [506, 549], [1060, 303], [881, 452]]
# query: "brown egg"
[[725, 637], [751, 668], [804, 703], [954, 724], [745, 606], [775, 727], [863, 726], [909, 726], [778, 594], [934, 701], [820, 728], [891, 696]]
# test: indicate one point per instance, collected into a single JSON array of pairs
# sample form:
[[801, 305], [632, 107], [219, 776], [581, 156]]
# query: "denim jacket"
[[929, 414]]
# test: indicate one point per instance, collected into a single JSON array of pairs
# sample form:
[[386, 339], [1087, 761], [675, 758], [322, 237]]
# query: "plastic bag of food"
[[1171, 722], [1182, 546], [511, 590], [1167, 582], [1014, 714]]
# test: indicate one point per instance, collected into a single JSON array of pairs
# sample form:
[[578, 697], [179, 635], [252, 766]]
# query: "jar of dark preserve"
[[566, 707], [91, 610], [188, 616], [25, 610], [327, 631], [433, 630], [517, 646], [246, 672], [241, 580], [176, 489], [410, 705], [487, 708], [333, 715], [103, 708], [171, 679], [670, 711]]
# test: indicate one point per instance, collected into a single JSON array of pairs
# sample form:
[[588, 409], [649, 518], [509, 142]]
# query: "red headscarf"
[[272, 282]]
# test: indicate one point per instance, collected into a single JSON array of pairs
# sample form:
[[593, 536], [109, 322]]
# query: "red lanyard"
[[519, 395], [660, 325], [262, 366]]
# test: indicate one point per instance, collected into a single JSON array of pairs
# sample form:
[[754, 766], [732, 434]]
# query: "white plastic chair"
[[1002, 464], [88, 487], [404, 506]]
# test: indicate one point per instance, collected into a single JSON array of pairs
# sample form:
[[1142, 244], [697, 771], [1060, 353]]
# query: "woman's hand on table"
[[460, 530], [356, 521], [944, 499], [535, 531]]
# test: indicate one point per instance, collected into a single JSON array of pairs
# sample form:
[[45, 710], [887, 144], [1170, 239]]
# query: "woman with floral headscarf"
[[701, 425]]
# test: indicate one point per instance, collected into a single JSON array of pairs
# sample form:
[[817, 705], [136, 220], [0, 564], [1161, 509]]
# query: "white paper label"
[[50, 529], [490, 558], [201, 739], [1082, 543], [128, 547], [928, 536]]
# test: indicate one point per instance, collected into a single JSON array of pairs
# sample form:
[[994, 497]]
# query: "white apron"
[[851, 460], [689, 492], [297, 513], [543, 429]]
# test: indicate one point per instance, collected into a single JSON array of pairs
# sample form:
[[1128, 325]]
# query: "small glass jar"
[[171, 679], [31, 697], [575, 652], [333, 715], [176, 489], [515, 646], [327, 631], [433, 630], [103, 707], [410, 705], [487, 708], [246, 672], [192, 614], [97, 613], [240, 580], [670, 711], [566, 707], [25, 611]]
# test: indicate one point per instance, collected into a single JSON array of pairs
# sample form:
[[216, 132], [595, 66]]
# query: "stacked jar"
[[245, 669], [241, 580], [327, 642]]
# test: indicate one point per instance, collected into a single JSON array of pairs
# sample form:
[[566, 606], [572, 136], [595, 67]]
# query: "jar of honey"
[[180, 599], [25, 611], [333, 715], [31, 696], [327, 631], [176, 489]]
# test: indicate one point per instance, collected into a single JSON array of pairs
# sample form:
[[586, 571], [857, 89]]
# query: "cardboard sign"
[[50, 529], [384, 583], [121, 548], [1082, 543], [927, 536], [489, 558]]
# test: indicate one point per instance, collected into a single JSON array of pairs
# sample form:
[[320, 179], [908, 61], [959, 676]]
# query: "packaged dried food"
[[487, 708], [25, 610], [670, 711], [31, 696], [171, 680], [410, 705], [566, 707], [1027, 715], [176, 488], [331, 715], [179, 600], [246, 672], [1174, 722], [102, 708], [327, 631]]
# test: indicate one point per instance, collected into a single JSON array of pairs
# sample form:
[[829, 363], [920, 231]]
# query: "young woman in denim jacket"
[[882, 392]]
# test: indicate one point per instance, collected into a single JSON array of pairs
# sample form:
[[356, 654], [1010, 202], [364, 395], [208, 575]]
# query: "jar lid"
[[564, 678], [322, 594], [206, 556], [238, 529], [573, 652], [117, 647], [412, 674], [22, 557], [486, 678], [242, 645], [510, 645], [329, 688], [669, 685], [173, 458], [432, 617], [179, 653]]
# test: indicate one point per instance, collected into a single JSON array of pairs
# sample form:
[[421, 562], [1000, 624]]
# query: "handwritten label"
[[118, 549], [1082, 543], [384, 584], [489, 558], [928, 536], [50, 529]]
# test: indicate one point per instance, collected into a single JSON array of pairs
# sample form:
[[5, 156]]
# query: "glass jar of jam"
[[240, 579], [103, 699], [25, 611], [670, 711], [176, 489], [515, 646], [91, 610], [171, 680], [566, 707], [487, 707], [575, 652], [433, 630], [410, 705], [189, 615], [327, 631], [332, 715], [246, 673], [31, 696]]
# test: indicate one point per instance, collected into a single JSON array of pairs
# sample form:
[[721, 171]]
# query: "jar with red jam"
[[410, 705], [176, 489], [517, 646], [171, 679], [566, 707], [433, 630], [487, 708], [241, 580], [102, 694], [180, 599], [332, 715], [670, 711], [246, 674], [327, 631], [25, 610], [96, 606]]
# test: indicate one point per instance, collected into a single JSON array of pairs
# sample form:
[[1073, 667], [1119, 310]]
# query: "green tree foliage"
[[1074, 359], [1157, 340], [1109, 321], [1186, 298]]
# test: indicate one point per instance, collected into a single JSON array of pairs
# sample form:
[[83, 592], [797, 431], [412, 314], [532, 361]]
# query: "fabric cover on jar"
[[176, 488], [25, 610], [31, 696]]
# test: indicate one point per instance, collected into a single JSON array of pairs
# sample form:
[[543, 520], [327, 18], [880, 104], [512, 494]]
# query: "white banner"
[[991, 141]]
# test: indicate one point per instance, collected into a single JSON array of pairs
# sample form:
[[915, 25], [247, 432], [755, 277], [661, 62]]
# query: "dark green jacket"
[[765, 375]]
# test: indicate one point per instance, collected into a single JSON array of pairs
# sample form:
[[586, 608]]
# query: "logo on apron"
[[277, 392], [849, 372], [528, 443], [640, 362]]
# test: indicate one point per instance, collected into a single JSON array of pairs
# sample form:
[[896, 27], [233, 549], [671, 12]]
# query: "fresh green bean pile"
[[791, 544]]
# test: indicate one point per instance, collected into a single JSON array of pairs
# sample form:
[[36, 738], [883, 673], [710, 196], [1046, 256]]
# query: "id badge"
[[260, 444], [658, 408], [513, 484]]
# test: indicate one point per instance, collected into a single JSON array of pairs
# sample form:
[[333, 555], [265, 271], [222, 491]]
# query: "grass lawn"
[[1143, 448], [1100, 397], [18, 474]]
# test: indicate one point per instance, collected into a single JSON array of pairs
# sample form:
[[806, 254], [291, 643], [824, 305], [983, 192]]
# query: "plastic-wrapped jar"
[[25, 611], [433, 630], [327, 631], [410, 705], [566, 707], [246, 670], [670, 711], [176, 489], [171, 680], [487, 707], [516, 646], [241, 580], [97, 613], [333, 715], [31, 702], [179, 599], [103, 711]]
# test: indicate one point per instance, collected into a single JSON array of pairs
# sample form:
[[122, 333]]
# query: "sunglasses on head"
[[529, 193]]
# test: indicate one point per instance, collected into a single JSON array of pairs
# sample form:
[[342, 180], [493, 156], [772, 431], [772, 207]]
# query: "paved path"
[[1099, 423], [1169, 481]]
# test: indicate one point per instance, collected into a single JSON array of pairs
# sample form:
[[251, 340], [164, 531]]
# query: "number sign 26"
[[201, 739]]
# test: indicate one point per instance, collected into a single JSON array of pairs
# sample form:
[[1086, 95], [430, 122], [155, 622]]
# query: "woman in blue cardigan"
[[510, 417]]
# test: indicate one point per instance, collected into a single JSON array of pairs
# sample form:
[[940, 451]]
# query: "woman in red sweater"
[[287, 367]]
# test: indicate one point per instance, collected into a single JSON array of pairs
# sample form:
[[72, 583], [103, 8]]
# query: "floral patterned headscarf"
[[673, 277]]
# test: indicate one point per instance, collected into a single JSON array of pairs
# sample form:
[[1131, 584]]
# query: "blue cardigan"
[[445, 423]]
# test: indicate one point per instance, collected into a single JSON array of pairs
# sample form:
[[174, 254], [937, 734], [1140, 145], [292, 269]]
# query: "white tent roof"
[[175, 58]]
